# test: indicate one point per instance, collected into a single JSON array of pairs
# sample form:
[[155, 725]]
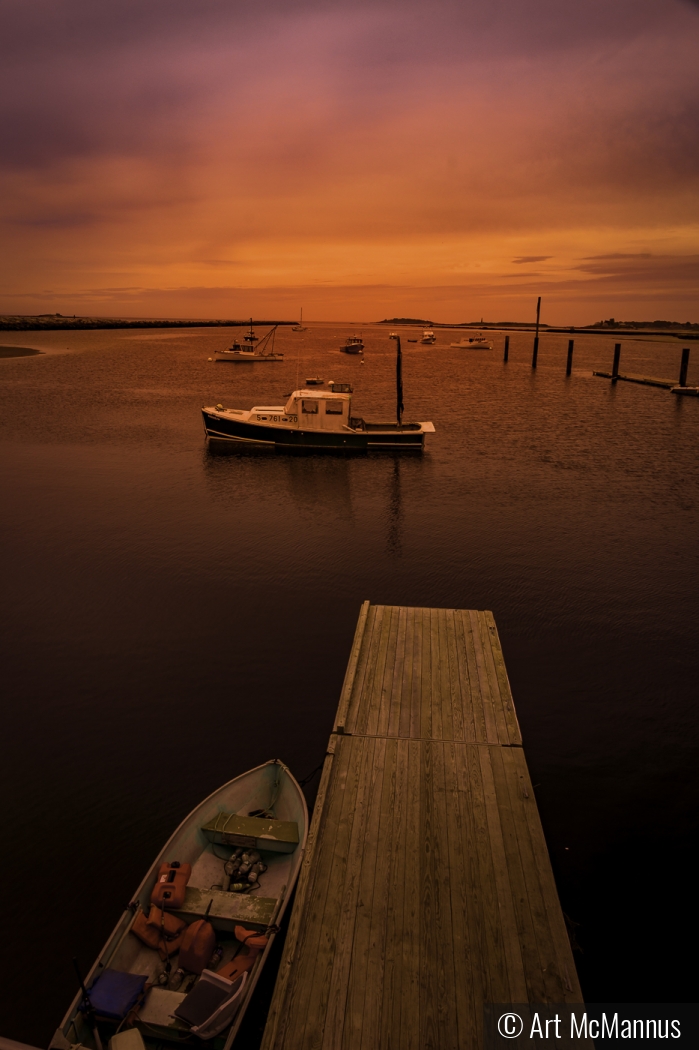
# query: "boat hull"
[[247, 359], [373, 435], [271, 783]]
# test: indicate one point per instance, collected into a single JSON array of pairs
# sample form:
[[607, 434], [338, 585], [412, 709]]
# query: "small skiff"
[[182, 962]]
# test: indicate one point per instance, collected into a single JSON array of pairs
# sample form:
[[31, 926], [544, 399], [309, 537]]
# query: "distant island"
[[47, 322], [678, 329], [404, 320], [611, 323]]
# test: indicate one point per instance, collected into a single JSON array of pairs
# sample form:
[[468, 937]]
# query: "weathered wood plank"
[[412, 961], [515, 735], [571, 992], [352, 665], [406, 685], [490, 718], [318, 937], [396, 704], [363, 904], [381, 718], [384, 846], [356, 689], [426, 889], [331, 1007], [389, 1028], [446, 980], [505, 920], [416, 676]]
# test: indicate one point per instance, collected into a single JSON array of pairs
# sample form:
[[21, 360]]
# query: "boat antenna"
[[298, 362], [399, 380], [89, 1008]]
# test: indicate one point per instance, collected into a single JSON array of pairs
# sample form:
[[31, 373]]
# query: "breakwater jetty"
[[426, 890], [59, 322]]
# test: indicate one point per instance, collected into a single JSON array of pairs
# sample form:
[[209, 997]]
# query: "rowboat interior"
[[184, 972]]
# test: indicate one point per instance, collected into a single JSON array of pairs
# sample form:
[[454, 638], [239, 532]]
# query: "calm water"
[[174, 617]]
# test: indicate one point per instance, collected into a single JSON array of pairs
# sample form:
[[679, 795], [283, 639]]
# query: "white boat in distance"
[[428, 337], [299, 327], [474, 342], [185, 971]]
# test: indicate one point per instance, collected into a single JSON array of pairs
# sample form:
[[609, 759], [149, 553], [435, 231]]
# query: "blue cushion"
[[114, 993]]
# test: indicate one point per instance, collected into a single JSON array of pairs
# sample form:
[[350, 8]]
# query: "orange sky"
[[443, 160]]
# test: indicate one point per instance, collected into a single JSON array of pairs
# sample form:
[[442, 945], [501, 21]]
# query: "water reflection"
[[394, 537]]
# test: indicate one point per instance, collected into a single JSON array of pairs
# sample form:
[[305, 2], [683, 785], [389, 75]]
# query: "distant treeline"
[[527, 325], [45, 322], [611, 323]]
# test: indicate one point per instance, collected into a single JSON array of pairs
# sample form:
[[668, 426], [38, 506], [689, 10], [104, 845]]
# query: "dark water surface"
[[174, 617]]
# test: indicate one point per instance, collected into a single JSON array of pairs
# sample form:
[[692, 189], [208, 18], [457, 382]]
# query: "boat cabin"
[[319, 409]]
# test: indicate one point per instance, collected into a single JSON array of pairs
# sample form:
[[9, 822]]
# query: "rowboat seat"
[[227, 909], [114, 993]]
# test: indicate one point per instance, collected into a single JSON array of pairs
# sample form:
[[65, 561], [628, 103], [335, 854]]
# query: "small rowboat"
[[189, 976]]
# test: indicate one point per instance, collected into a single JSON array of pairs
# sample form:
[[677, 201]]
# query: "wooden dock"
[[628, 377], [426, 889]]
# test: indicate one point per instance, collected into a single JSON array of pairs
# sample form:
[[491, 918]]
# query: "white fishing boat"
[[182, 962], [299, 327], [316, 420], [314, 381], [428, 337], [474, 342], [248, 352]]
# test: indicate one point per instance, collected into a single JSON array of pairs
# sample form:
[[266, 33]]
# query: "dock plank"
[[426, 889]]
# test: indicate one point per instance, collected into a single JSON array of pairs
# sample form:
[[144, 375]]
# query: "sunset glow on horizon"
[[444, 160]]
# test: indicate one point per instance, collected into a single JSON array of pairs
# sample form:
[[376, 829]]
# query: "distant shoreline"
[[55, 322], [678, 330]]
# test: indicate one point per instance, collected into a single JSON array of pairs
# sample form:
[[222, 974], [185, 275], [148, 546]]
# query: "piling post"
[[569, 362], [684, 366], [507, 348], [615, 366], [535, 353]]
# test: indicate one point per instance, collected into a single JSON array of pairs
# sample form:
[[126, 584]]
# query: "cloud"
[[357, 144]]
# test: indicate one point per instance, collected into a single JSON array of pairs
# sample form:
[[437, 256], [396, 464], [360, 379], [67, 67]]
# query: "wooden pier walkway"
[[426, 889], [628, 377]]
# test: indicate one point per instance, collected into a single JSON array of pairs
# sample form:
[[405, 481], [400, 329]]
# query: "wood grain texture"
[[426, 889]]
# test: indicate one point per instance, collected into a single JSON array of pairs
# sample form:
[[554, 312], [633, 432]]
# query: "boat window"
[[309, 406], [333, 408]]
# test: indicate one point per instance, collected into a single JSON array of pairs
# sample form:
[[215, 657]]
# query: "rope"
[[310, 777]]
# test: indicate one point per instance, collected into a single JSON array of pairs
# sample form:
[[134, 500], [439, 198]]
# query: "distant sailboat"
[[299, 327]]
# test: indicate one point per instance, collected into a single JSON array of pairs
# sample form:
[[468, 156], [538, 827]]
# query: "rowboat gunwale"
[[60, 1039]]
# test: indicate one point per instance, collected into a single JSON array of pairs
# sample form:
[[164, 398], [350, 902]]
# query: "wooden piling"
[[615, 365], [535, 353], [683, 367], [569, 362], [507, 348], [426, 889]]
